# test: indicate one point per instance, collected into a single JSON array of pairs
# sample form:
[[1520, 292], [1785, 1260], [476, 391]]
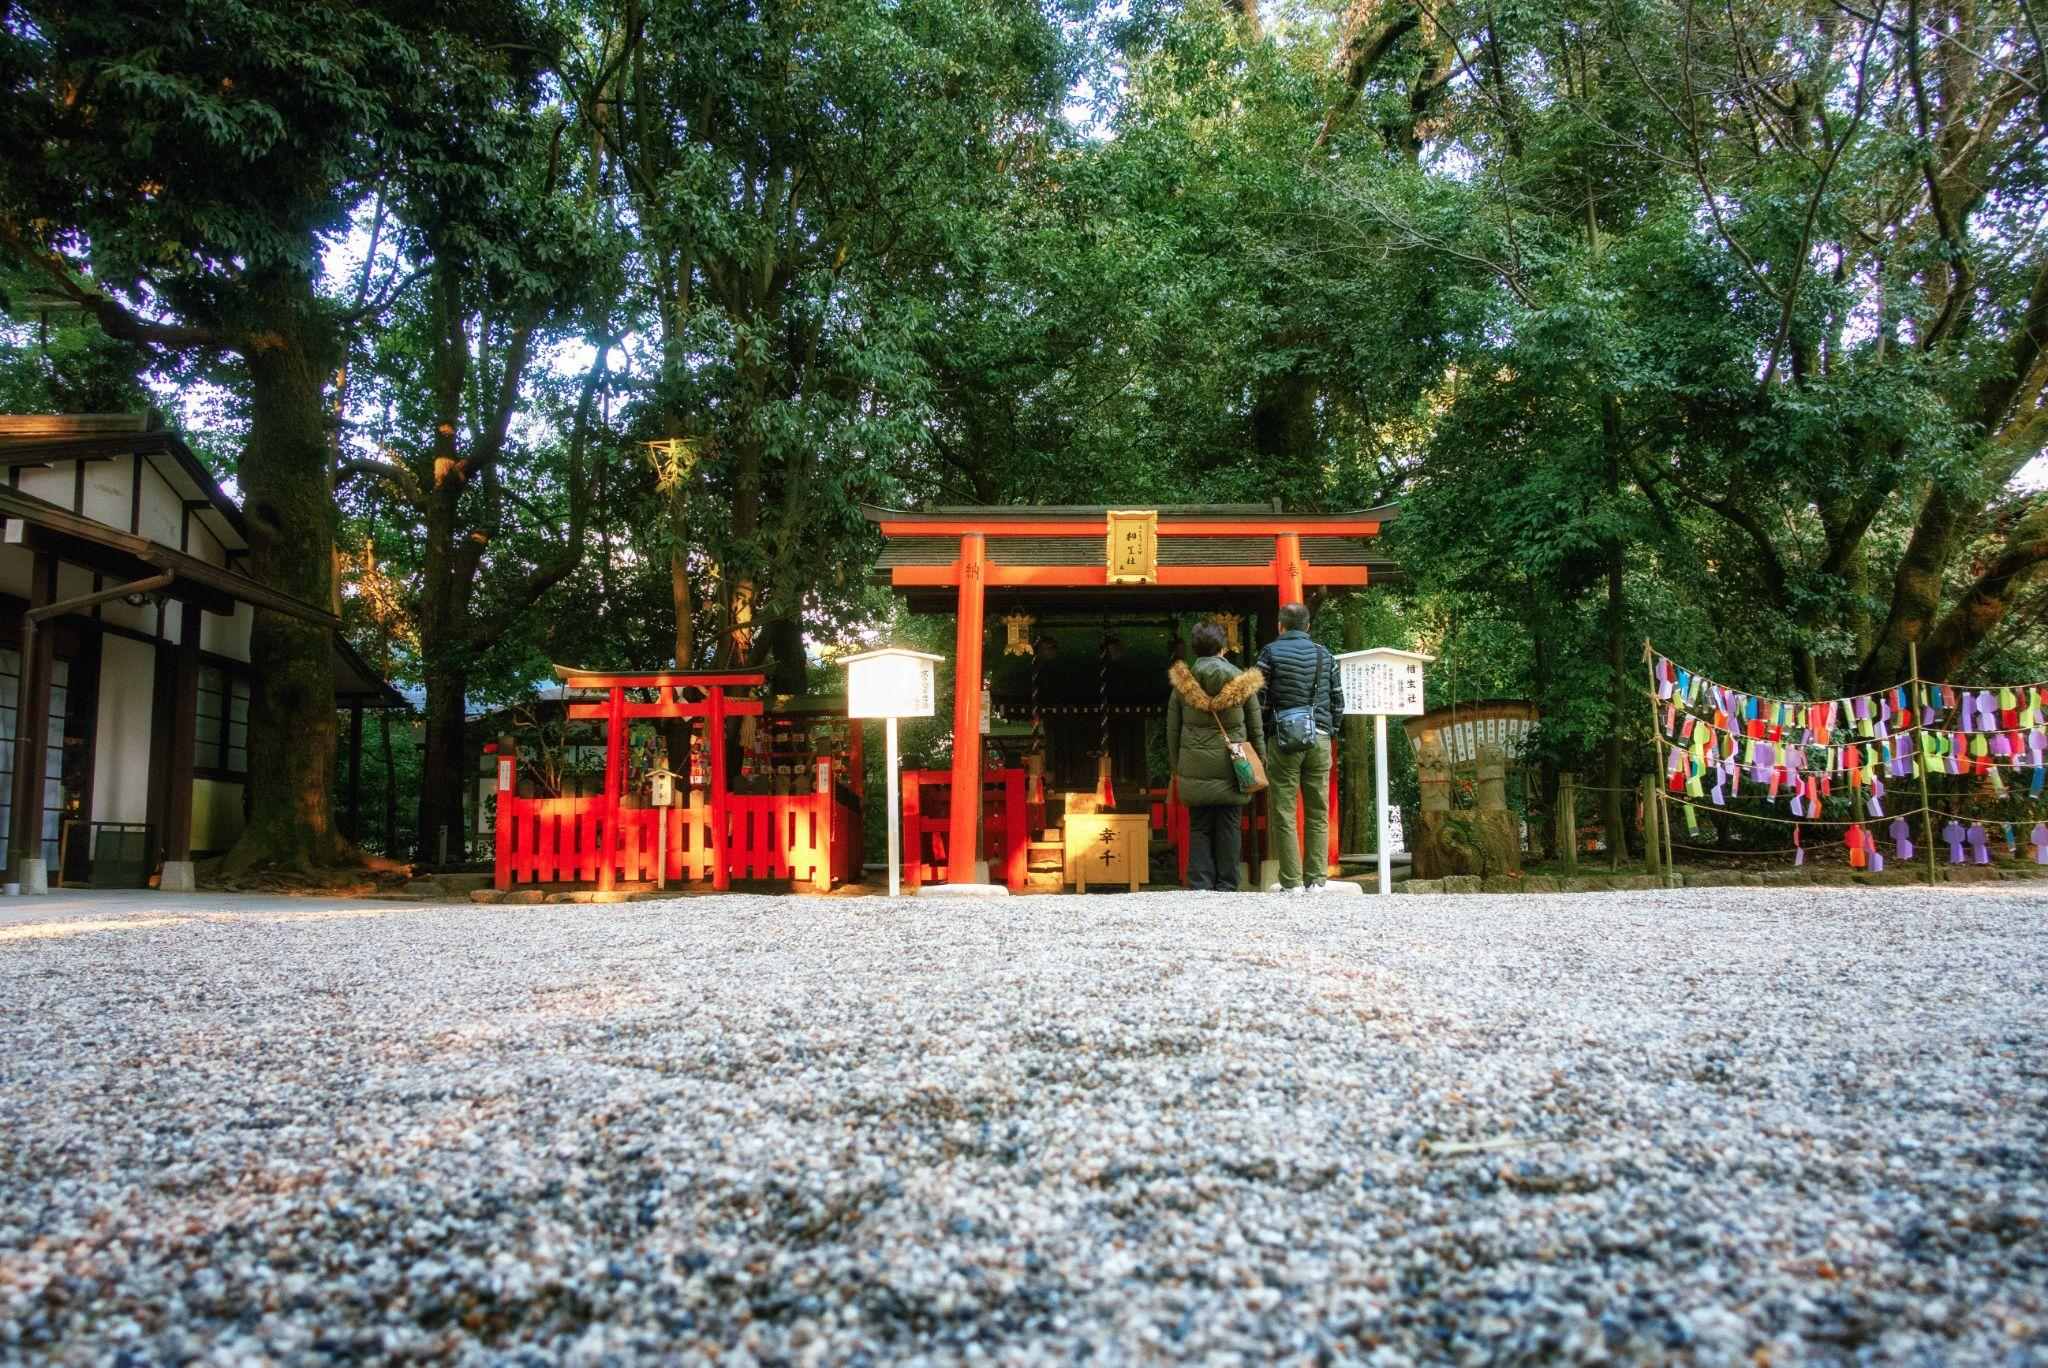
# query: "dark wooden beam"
[[184, 737], [32, 720]]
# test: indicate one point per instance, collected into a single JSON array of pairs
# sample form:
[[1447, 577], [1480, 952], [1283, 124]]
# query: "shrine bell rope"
[[1712, 740]]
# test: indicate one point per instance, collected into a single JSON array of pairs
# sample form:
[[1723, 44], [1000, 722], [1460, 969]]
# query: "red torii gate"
[[1248, 547], [616, 712]]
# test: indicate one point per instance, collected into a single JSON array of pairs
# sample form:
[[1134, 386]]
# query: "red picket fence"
[[811, 838], [927, 815]]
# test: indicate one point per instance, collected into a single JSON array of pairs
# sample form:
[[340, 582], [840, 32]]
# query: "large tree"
[[799, 179], [181, 172]]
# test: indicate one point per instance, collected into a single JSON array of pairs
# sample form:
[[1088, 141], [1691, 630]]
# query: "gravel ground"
[[1710, 1126]]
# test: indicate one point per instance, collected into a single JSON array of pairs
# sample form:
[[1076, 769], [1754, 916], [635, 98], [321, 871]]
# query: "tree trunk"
[[444, 768], [1354, 780], [390, 784], [289, 509], [445, 570]]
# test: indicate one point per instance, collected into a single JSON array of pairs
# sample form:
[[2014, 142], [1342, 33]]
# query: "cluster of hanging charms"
[[1717, 739]]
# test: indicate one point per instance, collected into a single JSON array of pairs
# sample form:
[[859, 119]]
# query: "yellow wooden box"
[[1109, 848]]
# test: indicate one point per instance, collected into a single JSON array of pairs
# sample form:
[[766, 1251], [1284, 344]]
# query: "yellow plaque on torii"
[[1134, 546]]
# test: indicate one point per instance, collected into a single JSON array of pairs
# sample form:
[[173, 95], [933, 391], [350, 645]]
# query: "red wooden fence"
[[927, 817], [811, 838]]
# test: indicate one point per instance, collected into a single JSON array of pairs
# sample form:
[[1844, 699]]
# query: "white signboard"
[[1383, 682], [891, 682]]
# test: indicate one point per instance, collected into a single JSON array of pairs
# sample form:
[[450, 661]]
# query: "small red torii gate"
[[543, 839], [668, 702]]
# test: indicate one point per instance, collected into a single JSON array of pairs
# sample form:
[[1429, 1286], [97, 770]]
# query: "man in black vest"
[[1303, 703]]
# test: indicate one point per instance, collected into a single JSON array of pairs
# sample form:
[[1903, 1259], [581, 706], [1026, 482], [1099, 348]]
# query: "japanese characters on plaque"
[[1133, 546], [1383, 682]]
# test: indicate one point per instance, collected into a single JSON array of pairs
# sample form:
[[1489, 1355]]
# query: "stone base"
[[970, 890], [178, 877], [35, 878]]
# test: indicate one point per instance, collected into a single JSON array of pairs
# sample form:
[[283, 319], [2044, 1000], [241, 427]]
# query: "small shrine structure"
[[810, 833], [1061, 579]]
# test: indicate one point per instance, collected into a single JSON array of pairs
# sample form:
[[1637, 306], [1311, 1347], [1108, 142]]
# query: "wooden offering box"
[[1108, 847]]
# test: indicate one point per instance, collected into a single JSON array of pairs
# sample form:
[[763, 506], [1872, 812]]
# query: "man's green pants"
[[1304, 775]]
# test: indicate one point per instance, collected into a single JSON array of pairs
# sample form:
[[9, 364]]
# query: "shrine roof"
[[1238, 534], [1258, 518]]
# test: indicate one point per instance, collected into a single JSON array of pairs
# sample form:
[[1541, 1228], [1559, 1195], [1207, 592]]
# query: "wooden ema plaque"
[[1133, 546], [1108, 847]]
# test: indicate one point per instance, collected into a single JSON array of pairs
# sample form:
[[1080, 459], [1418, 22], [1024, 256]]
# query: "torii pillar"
[[963, 835]]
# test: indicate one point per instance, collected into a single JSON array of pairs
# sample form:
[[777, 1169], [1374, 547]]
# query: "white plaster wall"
[[228, 636], [161, 510], [53, 483], [17, 563], [107, 486], [120, 771], [124, 614]]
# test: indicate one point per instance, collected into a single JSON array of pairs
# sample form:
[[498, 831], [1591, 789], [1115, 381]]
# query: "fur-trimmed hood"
[[1235, 694]]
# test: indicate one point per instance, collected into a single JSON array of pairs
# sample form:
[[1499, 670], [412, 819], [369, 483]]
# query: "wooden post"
[[894, 786], [1383, 836], [1287, 568], [614, 785], [714, 723], [1653, 840], [508, 775], [963, 844], [1920, 761], [1664, 822], [355, 771], [31, 725], [1016, 832], [1656, 817], [1335, 827], [184, 737], [1567, 818]]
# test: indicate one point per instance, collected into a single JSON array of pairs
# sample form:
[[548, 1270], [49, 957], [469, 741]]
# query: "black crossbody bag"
[[1294, 729]]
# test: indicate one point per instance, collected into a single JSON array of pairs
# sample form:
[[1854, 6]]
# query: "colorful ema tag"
[[1902, 837], [1952, 837], [1980, 843], [2039, 836]]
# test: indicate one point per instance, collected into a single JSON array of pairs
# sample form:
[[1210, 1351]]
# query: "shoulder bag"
[[1245, 765], [1294, 729]]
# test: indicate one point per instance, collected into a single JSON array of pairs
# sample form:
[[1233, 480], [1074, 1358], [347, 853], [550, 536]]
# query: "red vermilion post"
[[963, 845], [1288, 571], [1336, 822], [714, 722], [614, 785], [508, 778]]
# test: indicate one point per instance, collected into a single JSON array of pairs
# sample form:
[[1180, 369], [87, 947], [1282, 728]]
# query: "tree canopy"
[[582, 330]]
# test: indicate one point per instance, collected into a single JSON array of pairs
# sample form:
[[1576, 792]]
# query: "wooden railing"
[[927, 812], [810, 838]]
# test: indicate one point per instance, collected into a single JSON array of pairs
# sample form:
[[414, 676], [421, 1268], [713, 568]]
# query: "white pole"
[[1379, 745], [895, 813]]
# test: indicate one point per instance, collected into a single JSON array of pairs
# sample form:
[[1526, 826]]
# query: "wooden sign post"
[[888, 684], [1383, 682]]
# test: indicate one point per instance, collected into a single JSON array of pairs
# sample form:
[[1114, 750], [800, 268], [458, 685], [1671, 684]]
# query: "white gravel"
[[1725, 1126]]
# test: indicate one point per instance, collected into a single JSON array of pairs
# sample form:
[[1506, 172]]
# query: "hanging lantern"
[[1232, 624], [1019, 626]]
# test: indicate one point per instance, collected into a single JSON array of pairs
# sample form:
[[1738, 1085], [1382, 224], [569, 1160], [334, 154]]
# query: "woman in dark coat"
[[1212, 688]]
